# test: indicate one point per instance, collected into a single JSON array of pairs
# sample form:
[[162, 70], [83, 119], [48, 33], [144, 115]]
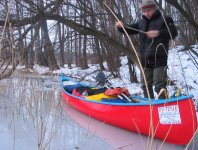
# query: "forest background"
[[53, 33], [69, 36]]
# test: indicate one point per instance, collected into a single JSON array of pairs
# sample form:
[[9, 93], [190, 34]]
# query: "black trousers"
[[156, 77]]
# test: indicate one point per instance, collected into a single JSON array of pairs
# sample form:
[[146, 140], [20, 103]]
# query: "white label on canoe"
[[68, 83], [169, 114]]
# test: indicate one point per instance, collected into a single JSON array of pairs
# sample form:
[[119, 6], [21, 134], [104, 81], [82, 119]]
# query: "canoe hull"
[[138, 118]]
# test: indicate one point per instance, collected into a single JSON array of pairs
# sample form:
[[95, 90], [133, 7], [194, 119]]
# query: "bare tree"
[[76, 26]]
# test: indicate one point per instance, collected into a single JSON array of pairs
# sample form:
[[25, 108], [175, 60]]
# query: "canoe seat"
[[113, 100]]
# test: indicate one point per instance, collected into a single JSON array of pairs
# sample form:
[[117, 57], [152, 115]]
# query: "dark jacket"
[[154, 52]]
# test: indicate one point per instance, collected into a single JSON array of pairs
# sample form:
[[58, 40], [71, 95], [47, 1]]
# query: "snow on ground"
[[180, 69]]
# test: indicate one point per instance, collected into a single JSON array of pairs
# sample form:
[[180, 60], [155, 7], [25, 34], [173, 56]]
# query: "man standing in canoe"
[[154, 45]]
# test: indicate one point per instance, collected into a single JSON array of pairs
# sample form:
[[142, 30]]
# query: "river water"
[[33, 116]]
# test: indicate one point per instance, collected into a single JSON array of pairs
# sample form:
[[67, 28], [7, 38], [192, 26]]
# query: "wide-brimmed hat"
[[147, 4]]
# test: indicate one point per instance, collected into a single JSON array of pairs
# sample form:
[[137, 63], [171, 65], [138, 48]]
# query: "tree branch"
[[187, 16]]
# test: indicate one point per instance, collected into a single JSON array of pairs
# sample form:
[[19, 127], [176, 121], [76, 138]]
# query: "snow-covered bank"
[[181, 70]]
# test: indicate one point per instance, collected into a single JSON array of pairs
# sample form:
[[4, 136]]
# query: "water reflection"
[[119, 139], [31, 117]]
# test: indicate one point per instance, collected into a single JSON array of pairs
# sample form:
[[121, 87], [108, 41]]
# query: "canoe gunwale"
[[145, 101]]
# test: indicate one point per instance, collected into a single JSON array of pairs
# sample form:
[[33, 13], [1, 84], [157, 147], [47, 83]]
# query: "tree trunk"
[[132, 72], [84, 58], [98, 54], [61, 42], [48, 47]]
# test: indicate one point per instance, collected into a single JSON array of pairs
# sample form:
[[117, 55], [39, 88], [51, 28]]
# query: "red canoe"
[[173, 120]]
